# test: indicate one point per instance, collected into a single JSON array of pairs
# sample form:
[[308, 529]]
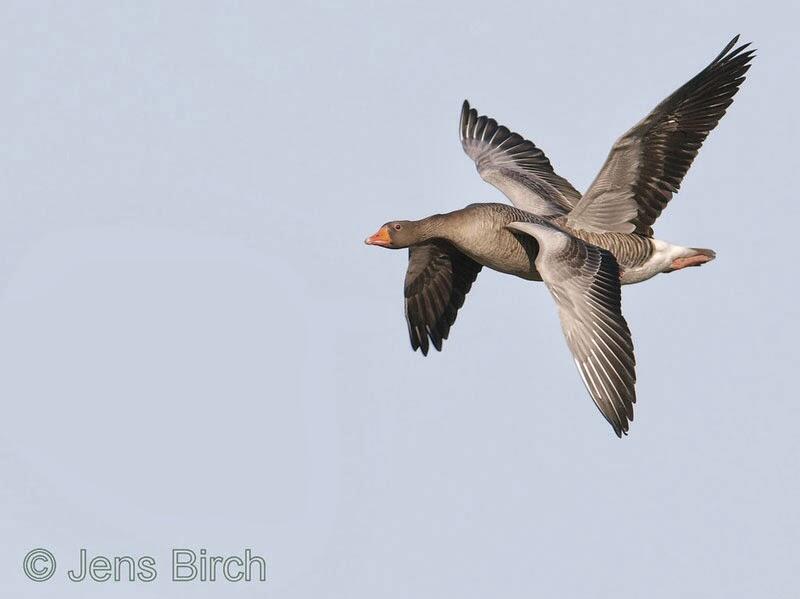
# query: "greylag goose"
[[582, 247]]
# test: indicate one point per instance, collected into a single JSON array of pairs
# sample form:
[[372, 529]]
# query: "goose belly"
[[504, 252], [517, 263]]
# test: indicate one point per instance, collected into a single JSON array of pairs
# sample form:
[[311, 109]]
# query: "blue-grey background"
[[196, 348]]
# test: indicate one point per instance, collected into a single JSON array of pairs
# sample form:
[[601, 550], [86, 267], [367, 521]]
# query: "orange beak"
[[380, 238]]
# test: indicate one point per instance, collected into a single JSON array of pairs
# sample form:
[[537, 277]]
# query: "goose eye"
[[398, 226]]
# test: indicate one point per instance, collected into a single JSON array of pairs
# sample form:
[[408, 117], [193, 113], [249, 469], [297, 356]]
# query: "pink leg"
[[695, 260]]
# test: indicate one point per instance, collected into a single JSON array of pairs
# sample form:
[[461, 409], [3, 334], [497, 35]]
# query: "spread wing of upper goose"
[[584, 248], [647, 164], [515, 166]]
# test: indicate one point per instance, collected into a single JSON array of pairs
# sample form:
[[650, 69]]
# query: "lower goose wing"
[[437, 281], [584, 281], [647, 164], [515, 166]]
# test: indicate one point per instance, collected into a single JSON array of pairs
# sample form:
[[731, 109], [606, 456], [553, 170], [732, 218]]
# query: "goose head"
[[396, 235]]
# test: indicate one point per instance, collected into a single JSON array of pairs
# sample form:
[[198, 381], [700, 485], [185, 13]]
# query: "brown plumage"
[[583, 248], [437, 281]]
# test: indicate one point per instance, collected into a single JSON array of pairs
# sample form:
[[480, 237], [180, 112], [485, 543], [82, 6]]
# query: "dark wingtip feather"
[[463, 119], [726, 49], [729, 53], [423, 342], [437, 279]]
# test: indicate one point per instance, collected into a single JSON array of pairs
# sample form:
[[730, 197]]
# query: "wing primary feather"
[[437, 280], [646, 166]]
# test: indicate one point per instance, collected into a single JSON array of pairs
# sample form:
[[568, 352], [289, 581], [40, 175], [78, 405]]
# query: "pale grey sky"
[[196, 348]]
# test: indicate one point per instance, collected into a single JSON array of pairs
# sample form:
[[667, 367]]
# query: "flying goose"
[[582, 247]]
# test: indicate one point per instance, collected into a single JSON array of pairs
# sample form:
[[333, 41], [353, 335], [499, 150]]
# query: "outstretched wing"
[[515, 166], [437, 281], [647, 164], [584, 281]]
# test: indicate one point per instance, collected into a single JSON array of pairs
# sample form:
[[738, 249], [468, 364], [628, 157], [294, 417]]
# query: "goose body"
[[481, 232], [583, 247]]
